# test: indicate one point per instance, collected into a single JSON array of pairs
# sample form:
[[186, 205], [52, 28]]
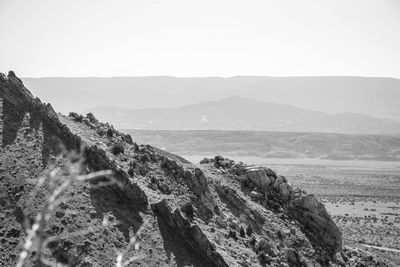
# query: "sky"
[[188, 38]]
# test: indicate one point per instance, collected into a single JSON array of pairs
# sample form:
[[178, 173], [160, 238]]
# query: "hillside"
[[153, 209], [274, 144], [238, 113], [372, 96]]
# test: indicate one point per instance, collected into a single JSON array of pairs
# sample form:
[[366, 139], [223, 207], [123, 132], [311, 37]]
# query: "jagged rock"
[[279, 180], [188, 233], [240, 208], [259, 178], [317, 223], [284, 191], [198, 183]]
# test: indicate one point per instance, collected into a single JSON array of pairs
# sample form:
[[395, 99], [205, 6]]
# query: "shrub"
[[131, 171], [232, 234], [188, 209], [142, 170], [110, 132], [249, 231], [117, 149], [136, 147], [92, 118], [204, 161], [76, 116], [242, 232], [56, 182], [144, 158]]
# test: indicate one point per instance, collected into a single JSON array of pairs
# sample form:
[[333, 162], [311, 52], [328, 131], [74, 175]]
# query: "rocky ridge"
[[219, 213]]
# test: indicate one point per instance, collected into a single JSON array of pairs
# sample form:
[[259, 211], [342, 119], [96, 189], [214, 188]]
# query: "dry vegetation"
[[37, 245]]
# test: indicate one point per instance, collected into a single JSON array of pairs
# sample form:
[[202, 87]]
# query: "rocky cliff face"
[[215, 214]]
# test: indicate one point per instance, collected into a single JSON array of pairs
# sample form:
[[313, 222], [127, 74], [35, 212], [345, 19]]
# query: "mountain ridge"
[[239, 113], [377, 97]]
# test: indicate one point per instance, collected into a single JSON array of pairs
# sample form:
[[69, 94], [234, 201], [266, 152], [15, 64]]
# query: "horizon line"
[[211, 76]]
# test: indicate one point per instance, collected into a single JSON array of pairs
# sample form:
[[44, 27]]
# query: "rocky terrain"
[[156, 209]]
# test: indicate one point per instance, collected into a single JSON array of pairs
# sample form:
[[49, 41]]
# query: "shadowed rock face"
[[189, 233], [317, 222], [222, 214]]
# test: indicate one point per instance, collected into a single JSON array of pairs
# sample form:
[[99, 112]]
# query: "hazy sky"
[[200, 38]]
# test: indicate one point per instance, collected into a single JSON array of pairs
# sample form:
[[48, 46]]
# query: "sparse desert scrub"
[[38, 245], [117, 149]]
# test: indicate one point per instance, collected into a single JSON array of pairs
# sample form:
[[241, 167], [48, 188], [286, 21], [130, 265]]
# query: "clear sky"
[[200, 38]]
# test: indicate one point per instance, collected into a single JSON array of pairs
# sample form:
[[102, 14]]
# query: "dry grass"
[[57, 181]]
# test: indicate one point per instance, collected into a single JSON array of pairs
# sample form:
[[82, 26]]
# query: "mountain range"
[[238, 113], [372, 96]]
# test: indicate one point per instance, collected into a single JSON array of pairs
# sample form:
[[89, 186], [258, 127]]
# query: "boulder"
[[256, 195], [284, 191], [259, 178], [279, 180]]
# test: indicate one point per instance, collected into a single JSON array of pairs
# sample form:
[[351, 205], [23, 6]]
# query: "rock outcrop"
[[273, 191], [316, 222], [161, 210]]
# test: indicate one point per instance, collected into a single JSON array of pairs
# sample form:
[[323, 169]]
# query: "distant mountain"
[[238, 113], [376, 97]]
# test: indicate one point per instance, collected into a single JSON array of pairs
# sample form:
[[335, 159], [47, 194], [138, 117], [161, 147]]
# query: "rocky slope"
[[216, 214]]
